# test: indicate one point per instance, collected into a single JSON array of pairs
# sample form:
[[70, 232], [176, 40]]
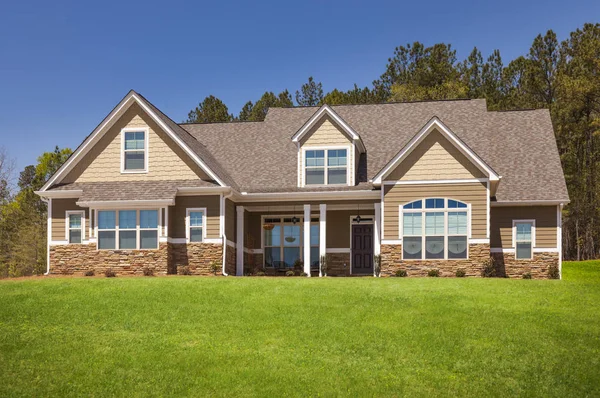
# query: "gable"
[[435, 158], [166, 159], [325, 133]]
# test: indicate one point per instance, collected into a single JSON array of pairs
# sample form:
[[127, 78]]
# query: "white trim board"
[[436, 124], [425, 182]]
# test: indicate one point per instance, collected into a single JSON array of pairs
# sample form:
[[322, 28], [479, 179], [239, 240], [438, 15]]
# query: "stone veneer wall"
[[391, 261], [338, 264], [538, 267], [197, 257], [230, 260], [74, 259]]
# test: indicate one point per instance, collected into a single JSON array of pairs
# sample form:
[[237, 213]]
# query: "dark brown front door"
[[362, 249]]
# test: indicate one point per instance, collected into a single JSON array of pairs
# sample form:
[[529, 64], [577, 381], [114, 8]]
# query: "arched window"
[[434, 228]]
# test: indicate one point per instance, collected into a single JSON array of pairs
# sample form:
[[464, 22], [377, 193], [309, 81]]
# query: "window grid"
[[75, 226], [277, 239], [134, 146], [111, 226], [524, 238], [326, 162], [195, 221]]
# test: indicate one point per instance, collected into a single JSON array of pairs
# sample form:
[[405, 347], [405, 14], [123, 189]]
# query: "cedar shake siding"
[[545, 225], [177, 215], [435, 158], [474, 193], [59, 212], [166, 160]]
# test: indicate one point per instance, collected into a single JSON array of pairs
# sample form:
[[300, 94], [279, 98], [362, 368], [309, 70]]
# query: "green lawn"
[[298, 336]]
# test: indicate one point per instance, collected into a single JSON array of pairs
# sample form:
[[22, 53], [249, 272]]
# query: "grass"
[[299, 336]]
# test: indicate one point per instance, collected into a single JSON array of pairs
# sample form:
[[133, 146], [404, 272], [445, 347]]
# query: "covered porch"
[[278, 238]]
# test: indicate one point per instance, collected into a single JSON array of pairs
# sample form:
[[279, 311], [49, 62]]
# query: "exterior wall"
[[177, 214], [545, 225], [435, 158], [538, 267], [230, 258], [76, 259], [474, 193], [338, 227], [391, 262], [338, 264], [166, 160], [230, 220], [59, 209], [198, 257]]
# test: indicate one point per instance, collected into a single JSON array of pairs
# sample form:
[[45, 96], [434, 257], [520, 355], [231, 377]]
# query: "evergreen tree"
[[311, 93], [210, 110]]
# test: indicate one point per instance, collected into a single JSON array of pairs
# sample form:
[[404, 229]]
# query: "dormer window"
[[326, 166], [135, 151]]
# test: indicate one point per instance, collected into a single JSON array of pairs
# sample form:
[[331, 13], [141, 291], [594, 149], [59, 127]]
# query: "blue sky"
[[64, 65]]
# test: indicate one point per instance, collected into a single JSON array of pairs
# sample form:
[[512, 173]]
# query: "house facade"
[[443, 185]]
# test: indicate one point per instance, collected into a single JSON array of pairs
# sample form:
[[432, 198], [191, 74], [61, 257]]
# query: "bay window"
[[326, 166], [127, 229], [434, 229]]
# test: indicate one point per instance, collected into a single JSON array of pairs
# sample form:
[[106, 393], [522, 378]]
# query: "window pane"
[[412, 248], [127, 239], [336, 176], [455, 204], [196, 234], [315, 176], [106, 220], [75, 221], [523, 232], [75, 236], [457, 223], [314, 257], [314, 235], [272, 256], [434, 247], [435, 203], [148, 219], [273, 237], [412, 223], [414, 205], [523, 250], [457, 247], [434, 223], [134, 140], [106, 239], [291, 235], [315, 158], [127, 219], [134, 160], [336, 157], [148, 239], [196, 219], [291, 255]]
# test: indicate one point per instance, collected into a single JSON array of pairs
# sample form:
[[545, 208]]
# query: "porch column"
[[377, 232], [322, 233], [307, 239], [239, 250]]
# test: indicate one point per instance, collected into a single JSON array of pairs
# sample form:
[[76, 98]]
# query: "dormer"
[[328, 150]]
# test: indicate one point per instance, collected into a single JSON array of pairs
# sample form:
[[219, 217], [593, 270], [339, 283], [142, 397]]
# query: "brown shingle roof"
[[520, 146]]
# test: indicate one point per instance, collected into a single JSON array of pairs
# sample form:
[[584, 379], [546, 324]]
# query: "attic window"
[[135, 151], [326, 166]]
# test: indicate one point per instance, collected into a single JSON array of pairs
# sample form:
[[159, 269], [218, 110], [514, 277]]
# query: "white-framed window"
[[523, 239], [75, 226], [134, 157], [195, 224], [326, 166], [434, 229], [283, 244], [127, 229]]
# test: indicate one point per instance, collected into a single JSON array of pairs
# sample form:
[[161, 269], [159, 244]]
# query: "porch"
[[276, 238]]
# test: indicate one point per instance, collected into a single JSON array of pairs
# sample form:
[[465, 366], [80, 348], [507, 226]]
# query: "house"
[[443, 184]]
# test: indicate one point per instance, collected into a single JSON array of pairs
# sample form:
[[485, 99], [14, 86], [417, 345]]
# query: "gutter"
[[48, 201], [223, 201]]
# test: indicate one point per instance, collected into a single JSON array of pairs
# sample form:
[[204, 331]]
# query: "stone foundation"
[[391, 262], [77, 259], [538, 267], [230, 259], [198, 257], [338, 264]]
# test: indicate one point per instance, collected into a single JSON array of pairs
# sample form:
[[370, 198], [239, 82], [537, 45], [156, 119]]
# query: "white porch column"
[[377, 232], [239, 250], [322, 233], [307, 239]]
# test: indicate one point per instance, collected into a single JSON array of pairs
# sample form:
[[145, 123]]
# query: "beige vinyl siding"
[[473, 193], [435, 158], [166, 160], [59, 209], [230, 220], [502, 220], [325, 133], [177, 214]]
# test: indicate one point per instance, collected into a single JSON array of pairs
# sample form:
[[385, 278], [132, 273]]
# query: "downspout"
[[49, 233], [223, 202]]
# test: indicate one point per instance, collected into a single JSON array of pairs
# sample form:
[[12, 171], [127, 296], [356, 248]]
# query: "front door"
[[362, 249]]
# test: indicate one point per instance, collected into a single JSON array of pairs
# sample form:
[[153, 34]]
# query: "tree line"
[[562, 76]]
